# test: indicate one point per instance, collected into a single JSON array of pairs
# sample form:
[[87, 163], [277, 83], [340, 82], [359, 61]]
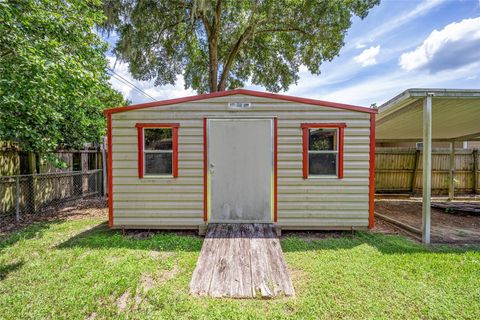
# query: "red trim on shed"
[[275, 168], [110, 170], [244, 92], [140, 151], [371, 205], [305, 151], [174, 127], [340, 151], [341, 136], [205, 168]]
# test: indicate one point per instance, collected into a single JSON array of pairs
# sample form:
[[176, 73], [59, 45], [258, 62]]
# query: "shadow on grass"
[[101, 237], [5, 269], [387, 244], [35, 230]]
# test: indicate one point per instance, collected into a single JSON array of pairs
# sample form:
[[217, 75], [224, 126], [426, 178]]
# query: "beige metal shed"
[[241, 156], [430, 115]]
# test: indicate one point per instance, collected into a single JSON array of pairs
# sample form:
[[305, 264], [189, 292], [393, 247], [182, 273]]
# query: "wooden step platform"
[[241, 261]]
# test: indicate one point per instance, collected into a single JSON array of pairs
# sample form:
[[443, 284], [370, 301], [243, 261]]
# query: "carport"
[[429, 115]]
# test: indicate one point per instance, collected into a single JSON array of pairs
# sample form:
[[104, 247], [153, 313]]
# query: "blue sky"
[[399, 45]]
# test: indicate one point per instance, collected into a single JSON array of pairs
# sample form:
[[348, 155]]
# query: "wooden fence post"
[[415, 170], [451, 182], [475, 169], [17, 198], [104, 165], [84, 175]]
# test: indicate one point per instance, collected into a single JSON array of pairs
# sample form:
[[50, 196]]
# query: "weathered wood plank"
[[241, 261], [220, 284], [202, 275], [279, 266]]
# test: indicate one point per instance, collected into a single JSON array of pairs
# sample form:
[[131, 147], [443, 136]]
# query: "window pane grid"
[[158, 151], [320, 152], [158, 156], [323, 166], [321, 139]]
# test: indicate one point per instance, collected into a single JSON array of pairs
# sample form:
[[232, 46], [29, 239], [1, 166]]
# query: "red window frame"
[[174, 127], [340, 127]]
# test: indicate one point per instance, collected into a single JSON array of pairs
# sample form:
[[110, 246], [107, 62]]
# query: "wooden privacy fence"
[[399, 170]]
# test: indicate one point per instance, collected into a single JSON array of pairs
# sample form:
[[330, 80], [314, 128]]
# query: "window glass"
[[322, 139], [322, 164], [158, 163], [158, 139], [158, 152]]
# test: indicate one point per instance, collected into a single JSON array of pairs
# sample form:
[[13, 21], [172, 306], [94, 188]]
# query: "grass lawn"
[[79, 269]]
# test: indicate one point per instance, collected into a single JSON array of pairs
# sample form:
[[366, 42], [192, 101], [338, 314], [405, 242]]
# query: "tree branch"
[[283, 30], [231, 57], [236, 48]]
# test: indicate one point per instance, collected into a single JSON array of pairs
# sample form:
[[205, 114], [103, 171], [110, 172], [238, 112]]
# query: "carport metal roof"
[[456, 115], [430, 115]]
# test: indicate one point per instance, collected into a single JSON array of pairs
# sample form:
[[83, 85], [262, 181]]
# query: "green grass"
[[77, 269]]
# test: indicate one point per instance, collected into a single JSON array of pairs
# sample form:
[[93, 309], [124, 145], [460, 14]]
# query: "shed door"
[[240, 155]]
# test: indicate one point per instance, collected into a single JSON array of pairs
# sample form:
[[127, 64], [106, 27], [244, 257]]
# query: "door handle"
[[211, 168]]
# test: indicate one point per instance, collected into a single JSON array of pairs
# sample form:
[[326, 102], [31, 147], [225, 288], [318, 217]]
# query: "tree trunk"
[[213, 68]]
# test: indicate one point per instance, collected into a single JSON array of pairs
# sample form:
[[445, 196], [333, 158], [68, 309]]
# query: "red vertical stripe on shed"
[[140, 151], [275, 167], [175, 151], [110, 170], [340, 152], [205, 168], [305, 151], [371, 209]]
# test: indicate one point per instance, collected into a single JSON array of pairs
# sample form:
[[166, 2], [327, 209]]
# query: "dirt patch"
[[92, 316], [122, 302], [166, 275], [385, 228], [160, 254], [298, 274], [447, 227], [75, 210], [147, 282]]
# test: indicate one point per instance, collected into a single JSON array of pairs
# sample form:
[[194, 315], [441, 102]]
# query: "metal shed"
[[241, 156]]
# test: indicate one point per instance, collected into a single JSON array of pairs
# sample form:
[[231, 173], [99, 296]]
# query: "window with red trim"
[[157, 149], [323, 149]]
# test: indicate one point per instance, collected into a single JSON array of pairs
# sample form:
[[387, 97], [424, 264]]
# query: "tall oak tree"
[[221, 44]]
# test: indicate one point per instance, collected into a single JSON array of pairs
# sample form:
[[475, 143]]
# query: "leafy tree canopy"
[[53, 80], [220, 44]]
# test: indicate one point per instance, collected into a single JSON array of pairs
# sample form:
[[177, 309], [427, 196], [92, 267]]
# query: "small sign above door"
[[239, 105]]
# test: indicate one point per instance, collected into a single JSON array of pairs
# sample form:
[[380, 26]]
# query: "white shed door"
[[240, 156]]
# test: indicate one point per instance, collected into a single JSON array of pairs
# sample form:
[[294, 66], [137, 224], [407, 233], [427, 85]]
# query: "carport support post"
[[427, 167], [451, 185]]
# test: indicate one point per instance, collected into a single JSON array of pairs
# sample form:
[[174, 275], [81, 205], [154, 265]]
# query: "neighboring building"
[[241, 156]]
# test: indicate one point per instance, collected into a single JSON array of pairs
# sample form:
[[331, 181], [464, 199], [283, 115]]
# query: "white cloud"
[[455, 45], [368, 56], [380, 88], [361, 45], [401, 19], [158, 93]]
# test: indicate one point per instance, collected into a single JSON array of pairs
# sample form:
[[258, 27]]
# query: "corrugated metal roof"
[[456, 115]]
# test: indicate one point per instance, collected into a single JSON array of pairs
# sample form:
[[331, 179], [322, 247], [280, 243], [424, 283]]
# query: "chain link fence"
[[24, 196]]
